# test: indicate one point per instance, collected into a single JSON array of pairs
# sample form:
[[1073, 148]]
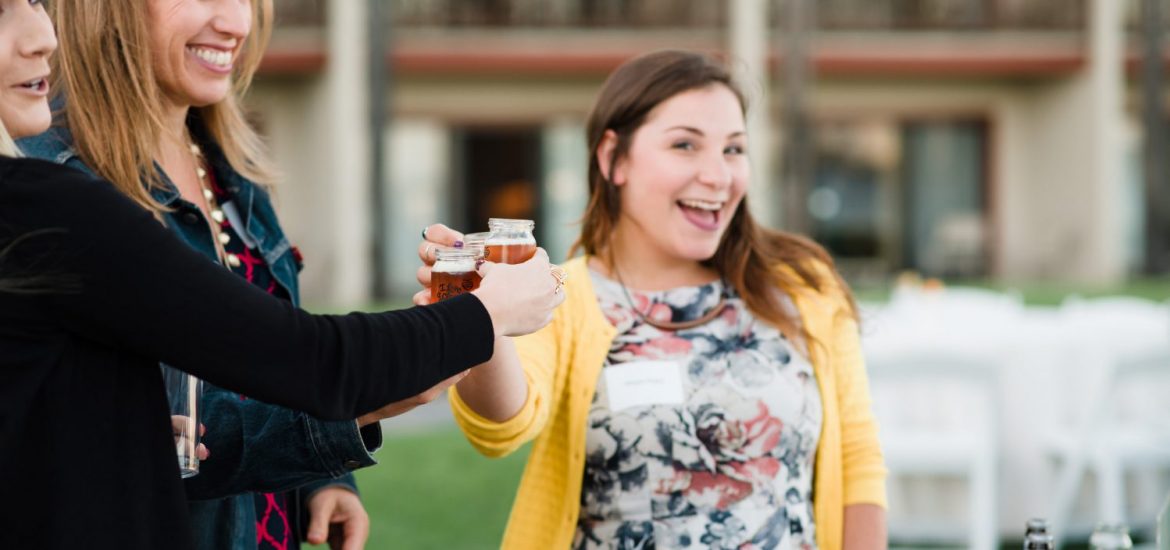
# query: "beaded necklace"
[[220, 237]]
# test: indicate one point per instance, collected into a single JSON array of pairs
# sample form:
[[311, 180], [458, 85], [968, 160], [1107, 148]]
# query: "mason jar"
[[509, 241], [454, 273], [476, 242]]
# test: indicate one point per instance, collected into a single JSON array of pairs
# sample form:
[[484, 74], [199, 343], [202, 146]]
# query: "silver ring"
[[560, 275]]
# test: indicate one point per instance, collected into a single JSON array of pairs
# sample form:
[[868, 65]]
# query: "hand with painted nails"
[[436, 237], [520, 298]]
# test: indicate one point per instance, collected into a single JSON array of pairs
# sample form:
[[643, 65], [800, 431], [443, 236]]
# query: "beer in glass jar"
[[509, 241], [454, 272]]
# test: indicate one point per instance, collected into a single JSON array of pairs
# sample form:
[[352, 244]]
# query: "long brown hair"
[[113, 103], [749, 255]]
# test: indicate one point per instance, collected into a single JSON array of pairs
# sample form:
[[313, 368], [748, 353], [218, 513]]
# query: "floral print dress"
[[717, 452]]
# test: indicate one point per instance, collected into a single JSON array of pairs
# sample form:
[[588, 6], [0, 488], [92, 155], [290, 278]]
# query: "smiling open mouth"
[[217, 58], [704, 214], [38, 85]]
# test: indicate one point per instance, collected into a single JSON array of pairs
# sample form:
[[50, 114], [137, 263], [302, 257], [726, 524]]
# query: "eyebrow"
[[699, 132]]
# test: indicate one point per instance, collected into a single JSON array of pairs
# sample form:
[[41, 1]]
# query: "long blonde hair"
[[113, 104], [7, 145]]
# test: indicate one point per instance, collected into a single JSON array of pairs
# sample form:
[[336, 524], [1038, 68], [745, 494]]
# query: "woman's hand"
[[865, 527], [400, 407], [336, 516], [437, 236], [178, 430], [520, 298]]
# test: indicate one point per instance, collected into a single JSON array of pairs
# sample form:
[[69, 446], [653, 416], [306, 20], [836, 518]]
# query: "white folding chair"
[[1123, 428], [952, 319], [937, 413], [1119, 323]]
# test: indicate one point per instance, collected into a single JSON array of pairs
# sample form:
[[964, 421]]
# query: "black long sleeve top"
[[87, 458]]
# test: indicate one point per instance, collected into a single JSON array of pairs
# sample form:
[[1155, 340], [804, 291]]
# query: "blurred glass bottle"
[[1039, 541], [1110, 536], [1163, 534], [1035, 526], [1034, 531]]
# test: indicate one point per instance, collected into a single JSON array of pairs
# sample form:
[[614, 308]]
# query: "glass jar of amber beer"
[[509, 241], [454, 272], [476, 241]]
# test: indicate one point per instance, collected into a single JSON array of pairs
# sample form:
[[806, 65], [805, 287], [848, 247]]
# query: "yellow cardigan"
[[562, 363]]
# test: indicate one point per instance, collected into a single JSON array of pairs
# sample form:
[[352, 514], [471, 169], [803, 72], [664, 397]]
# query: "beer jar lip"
[[454, 267], [446, 258], [476, 239], [508, 224]]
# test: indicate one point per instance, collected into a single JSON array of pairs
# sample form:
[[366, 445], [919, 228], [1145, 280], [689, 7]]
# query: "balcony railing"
[[300, 13], [562, 13], [1134, 15], [691, 14], [950, 14]]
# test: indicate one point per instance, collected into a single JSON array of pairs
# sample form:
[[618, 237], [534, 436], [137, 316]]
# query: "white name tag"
[[643, 383]]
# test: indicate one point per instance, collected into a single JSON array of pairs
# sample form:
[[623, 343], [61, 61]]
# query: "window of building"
[[891, 194], [498, 173]]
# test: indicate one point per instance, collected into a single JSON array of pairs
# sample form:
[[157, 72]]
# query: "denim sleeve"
[[258, 447], [347, 481]]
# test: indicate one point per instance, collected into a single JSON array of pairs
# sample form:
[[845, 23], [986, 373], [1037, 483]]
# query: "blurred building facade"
[[959, 138]]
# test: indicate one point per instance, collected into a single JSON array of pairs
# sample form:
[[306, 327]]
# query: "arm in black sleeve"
[[146, 292]]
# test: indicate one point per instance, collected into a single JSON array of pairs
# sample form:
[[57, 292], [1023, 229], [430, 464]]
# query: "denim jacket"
[[255, 447]]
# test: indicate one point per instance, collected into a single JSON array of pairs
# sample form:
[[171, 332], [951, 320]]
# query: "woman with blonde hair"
[[167, 129], [704, 385], [94, 292], [151, 95]]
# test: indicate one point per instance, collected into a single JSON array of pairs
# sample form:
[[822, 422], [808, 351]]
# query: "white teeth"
[[701, 205], [215, 57]]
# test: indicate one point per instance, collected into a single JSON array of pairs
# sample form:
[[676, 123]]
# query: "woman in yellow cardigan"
[[703, 384]]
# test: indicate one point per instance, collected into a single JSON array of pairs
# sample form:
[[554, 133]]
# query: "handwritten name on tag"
[[643, 383]]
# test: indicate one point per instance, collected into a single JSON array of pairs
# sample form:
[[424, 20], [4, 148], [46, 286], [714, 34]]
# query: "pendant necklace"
[[670, 325]]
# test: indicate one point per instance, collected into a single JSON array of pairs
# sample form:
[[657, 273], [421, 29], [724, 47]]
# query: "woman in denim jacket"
[[174, 119]]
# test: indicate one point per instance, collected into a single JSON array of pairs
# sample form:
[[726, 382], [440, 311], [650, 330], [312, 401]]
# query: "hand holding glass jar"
[[513, 280]]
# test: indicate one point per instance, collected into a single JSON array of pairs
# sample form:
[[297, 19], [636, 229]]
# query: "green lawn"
[[432, 490]]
